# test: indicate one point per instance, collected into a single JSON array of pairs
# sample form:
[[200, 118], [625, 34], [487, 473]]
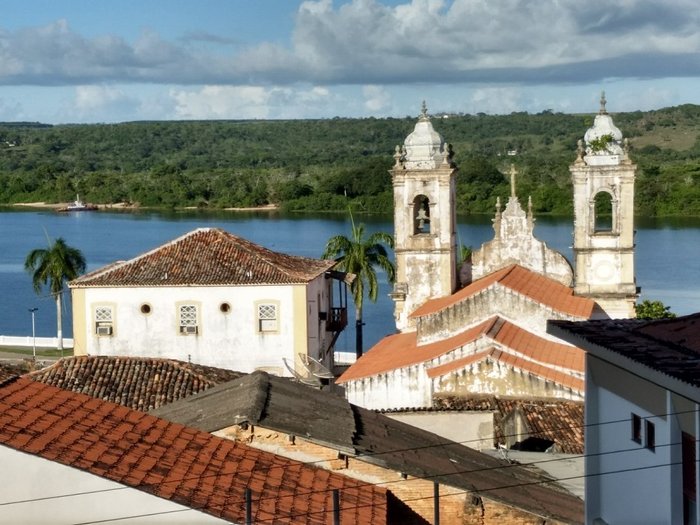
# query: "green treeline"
[[318, 165]]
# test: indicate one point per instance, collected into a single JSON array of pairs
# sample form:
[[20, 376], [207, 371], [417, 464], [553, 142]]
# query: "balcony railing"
[[337, 320]]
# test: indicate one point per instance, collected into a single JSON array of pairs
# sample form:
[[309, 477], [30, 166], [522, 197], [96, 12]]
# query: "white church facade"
[[488, 335]]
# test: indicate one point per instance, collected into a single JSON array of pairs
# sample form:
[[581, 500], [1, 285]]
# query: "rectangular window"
[[104, 321], [187, 314], [267, 317], [636, 428], [650, 435]]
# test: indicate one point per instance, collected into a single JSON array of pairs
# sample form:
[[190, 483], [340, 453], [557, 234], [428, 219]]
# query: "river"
[[667, 253]]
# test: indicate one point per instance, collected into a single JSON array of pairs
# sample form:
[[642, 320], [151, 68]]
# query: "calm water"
[[667, 255]]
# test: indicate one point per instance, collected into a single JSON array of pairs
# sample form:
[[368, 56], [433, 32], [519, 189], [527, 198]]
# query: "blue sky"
[[67, 61]]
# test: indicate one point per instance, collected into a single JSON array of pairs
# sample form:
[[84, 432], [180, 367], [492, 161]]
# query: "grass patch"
[[40, 352]]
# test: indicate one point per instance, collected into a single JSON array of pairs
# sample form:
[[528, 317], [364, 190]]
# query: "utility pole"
[[33, 311]]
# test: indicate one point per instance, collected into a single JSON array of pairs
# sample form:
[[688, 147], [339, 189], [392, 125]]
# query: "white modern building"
[[215, 299], [642, 418]]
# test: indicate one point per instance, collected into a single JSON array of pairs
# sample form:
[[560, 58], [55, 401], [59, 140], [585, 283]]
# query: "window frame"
[[649, 435], [636, 428], [261, 326], [188, 320], [102, 321]]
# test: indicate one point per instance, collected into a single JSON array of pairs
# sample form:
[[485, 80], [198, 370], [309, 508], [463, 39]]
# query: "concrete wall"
[[227, 339], [38, 491], [471, 429], [625, 481], [28, 341]]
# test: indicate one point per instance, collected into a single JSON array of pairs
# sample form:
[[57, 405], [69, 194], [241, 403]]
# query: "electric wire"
[[361, 456], [410, 449]]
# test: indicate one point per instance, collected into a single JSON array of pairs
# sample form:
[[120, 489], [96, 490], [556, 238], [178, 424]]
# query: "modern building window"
[[650, 435], [188, 319], [636, 428], [268, 320], [104, 321]]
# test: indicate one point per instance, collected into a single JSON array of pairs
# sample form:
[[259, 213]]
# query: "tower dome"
[[424, 148], [603, 139]]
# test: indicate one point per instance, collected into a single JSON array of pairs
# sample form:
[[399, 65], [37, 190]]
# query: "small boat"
[[78, 205]]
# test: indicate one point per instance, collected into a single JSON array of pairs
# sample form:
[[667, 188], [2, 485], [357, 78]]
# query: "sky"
[[86, 61]]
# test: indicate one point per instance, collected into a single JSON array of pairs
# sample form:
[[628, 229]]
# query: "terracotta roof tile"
[[531, 284], [538, 348], [556, 420], [207, 257], [187, 466], [457, 364], [401, 350], [135, 382]]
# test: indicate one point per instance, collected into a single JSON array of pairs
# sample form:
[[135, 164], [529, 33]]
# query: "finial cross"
[[513, 173]]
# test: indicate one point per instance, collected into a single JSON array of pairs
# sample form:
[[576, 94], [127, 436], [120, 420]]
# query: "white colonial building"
[[215, 299], [490, 336]]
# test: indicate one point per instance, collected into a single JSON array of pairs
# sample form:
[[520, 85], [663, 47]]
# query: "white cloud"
[[377, 99], [220, 102], [365, 42], [95, 103], [495, 100]]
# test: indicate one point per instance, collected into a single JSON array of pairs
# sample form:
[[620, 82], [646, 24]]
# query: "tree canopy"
[[313, 165]]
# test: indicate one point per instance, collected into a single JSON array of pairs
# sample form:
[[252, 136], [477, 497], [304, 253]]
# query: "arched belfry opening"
[[421, 215], [425, 231], [603, 212], [603, 177]]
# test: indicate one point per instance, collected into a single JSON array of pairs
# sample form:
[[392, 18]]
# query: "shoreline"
[[126, 206]]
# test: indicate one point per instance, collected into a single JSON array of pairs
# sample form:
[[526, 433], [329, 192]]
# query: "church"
[[481, 328]]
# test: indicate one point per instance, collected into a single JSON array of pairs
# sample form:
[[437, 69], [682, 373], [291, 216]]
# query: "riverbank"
[[130, 206]]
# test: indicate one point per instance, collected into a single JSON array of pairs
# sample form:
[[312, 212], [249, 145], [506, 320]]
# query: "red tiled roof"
[[401, 350], [556, 420], [207, 257], [531, 284], [140, 383], [178, 463], [537, 348], [441, 370]]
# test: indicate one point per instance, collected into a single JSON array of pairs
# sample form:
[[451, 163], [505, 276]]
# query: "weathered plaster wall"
[[472, 429], [494, 300], [225, 339]]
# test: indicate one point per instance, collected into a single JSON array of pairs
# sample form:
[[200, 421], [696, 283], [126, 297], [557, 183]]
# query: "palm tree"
[[361, 256], [54, 266]]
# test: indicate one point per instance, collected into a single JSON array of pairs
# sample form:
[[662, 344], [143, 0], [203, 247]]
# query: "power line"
[[414, 499], [410, 449]]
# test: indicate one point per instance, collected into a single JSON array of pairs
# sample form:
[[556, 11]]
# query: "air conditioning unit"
[[188, 330], [104, 330]]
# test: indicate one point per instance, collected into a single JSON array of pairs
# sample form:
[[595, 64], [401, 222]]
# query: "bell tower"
[[603, 179], [425, 238]]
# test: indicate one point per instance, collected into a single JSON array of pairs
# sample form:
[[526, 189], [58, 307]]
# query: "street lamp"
[[33, 311]]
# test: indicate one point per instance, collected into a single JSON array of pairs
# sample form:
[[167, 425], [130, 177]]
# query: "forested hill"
[[323, 164]]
